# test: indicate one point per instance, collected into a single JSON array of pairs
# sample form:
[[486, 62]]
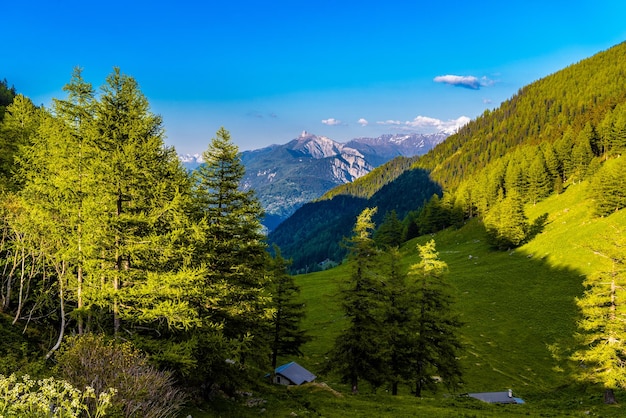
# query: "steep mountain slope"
[[285, 177], [570, 106]]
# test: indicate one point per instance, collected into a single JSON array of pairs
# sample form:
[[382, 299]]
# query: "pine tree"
[[361, 352], [602, 334], [287, 337], [436, 345], [539, 184], [582, 153], [389, 233], [608, 187], [400, 329]]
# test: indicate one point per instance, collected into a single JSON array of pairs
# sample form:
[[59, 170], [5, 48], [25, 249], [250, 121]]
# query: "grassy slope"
[[515, 306]]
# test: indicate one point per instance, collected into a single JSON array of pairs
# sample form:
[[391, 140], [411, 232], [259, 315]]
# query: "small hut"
[[292, 374]]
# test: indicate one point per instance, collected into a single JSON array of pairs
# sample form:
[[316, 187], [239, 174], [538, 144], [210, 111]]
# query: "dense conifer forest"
[[143, 289]]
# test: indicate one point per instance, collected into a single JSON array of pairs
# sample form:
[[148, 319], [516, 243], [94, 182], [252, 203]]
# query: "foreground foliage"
[[26, 398]]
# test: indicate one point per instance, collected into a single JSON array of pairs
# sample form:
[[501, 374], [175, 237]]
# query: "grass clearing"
[[515, 306]]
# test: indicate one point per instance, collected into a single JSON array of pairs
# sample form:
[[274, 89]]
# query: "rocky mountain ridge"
[[285, 177]]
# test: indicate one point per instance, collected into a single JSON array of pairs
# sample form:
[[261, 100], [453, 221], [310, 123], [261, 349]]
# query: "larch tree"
[[539, 183], [435, 345], [144, 194], [602, 336], [20, 123], [506, 222], [53, 170], [608, 187]]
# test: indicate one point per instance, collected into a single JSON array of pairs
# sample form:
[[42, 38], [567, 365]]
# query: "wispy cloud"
[[466, 81], [331, 122], [425, 123], [363, 122], [389, 122]]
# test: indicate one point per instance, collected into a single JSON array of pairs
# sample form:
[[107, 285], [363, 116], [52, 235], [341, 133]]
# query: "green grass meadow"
[[519, 314]]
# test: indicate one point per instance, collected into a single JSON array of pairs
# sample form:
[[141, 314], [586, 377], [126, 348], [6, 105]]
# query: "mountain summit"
[[285, 177]]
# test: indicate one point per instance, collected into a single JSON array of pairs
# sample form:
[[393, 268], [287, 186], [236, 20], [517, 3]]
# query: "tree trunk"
[[62, 306], [79, 296], [609, 397]]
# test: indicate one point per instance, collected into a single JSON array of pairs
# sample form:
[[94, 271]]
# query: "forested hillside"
[[554, 132], [592, 91]]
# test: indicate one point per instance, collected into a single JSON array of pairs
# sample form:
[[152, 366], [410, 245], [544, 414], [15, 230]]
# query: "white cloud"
[[363, 122], [331, 121], [424, 122], [389, 122], [428, 124], [466, 81]]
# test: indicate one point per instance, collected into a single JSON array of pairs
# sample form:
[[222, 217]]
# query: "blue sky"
[[267, 70]]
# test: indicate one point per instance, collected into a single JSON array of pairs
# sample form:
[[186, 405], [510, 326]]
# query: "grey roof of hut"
[[295, 373], [496, 397]]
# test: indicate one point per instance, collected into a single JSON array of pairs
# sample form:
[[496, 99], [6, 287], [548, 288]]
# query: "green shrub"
[[101, 363]]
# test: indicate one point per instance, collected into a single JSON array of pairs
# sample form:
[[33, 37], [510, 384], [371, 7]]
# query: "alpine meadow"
[[493, 264]]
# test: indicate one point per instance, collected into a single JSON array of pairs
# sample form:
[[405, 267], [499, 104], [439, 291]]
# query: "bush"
[[101, 363]]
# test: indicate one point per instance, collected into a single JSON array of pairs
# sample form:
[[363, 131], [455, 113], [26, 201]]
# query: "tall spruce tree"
[[233, 250], [602, 325], [390, 233], [400, 328], [286, 335], [436, 345], [361, 350]]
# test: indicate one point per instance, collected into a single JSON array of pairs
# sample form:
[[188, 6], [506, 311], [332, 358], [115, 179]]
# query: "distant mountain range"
[[285, 177]]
